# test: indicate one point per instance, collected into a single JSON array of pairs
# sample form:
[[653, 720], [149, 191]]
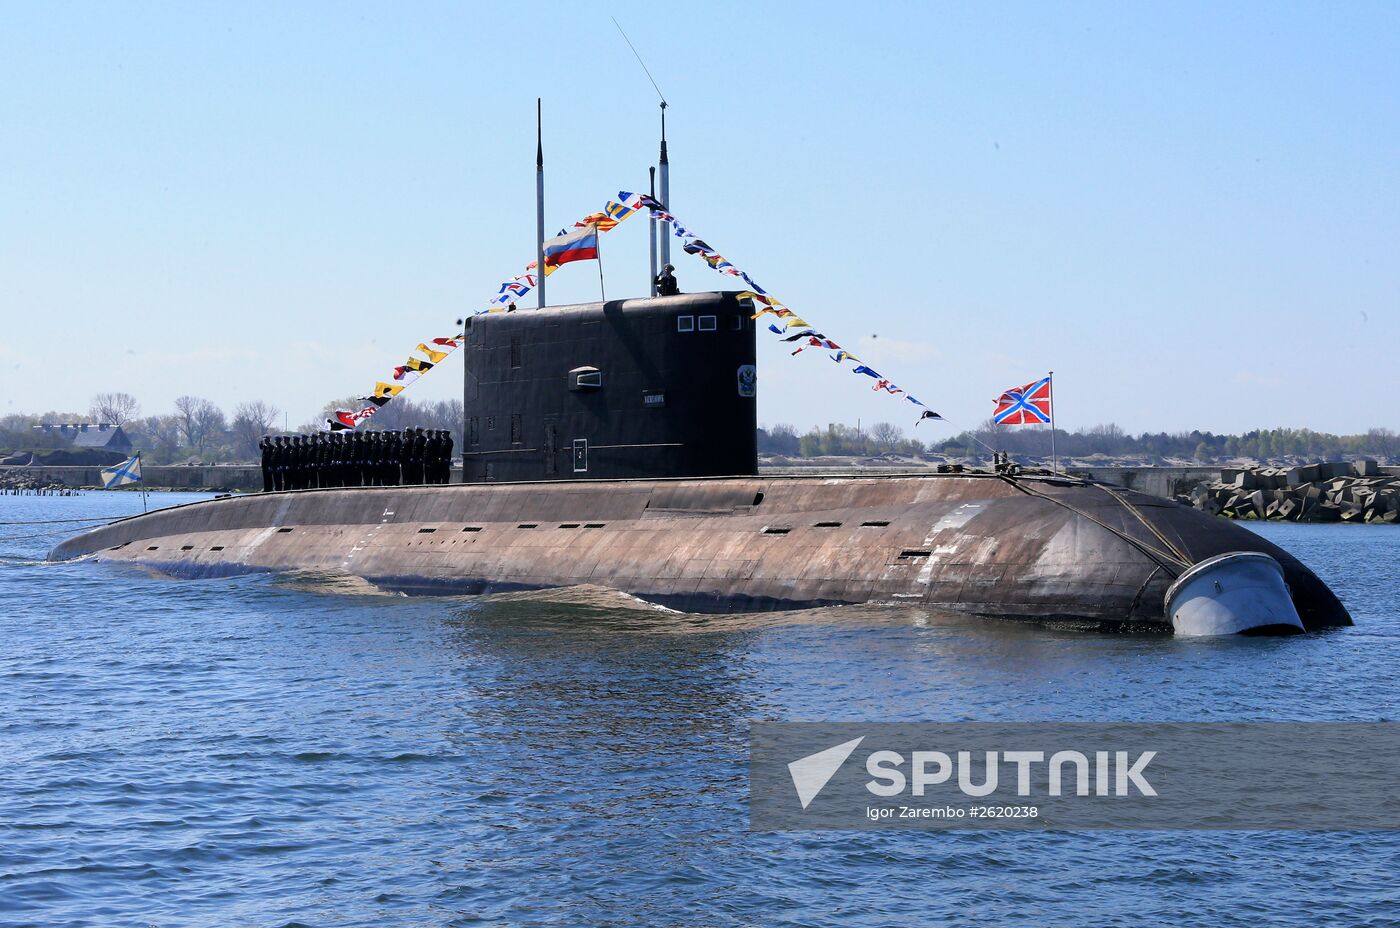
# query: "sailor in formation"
[[356, 459]]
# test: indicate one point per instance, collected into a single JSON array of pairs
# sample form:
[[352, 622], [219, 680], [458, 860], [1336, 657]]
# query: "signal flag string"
[[582, 245]]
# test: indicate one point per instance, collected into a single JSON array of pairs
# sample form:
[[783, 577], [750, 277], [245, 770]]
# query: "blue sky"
[[1189, 213]]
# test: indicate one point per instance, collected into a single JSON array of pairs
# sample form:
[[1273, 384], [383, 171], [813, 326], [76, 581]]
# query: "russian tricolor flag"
[[581, 245]]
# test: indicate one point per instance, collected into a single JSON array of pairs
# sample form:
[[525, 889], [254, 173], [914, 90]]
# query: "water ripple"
[[303, 751]]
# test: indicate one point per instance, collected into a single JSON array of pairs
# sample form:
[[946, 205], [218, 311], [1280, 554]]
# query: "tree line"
[[884, 438], [198, 430]]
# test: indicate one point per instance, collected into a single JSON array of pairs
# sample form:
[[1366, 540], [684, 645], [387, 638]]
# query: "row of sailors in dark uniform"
[[356, 459]]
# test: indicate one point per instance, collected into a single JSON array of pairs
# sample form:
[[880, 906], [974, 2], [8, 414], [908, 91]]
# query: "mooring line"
[[1163, 558]]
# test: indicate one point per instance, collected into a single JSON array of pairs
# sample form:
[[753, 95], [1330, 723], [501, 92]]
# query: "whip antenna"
[[639, 60], [664, 161]]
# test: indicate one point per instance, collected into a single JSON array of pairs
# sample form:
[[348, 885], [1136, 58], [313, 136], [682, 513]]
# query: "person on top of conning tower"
[[666, 282]]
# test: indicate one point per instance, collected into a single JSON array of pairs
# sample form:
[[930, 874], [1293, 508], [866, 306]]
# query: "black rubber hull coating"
[[1028, 548]]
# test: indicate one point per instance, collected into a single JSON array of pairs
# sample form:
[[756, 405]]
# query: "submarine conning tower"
[[659, 387]]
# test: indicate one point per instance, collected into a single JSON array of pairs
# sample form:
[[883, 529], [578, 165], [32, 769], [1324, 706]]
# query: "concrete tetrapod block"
[[1307, 473], [1245, 480], [1365, 468], [1323, 512]]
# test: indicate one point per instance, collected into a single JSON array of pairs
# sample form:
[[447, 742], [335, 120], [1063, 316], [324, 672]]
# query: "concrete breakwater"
[[220, 477], [1359, 491], [16, 482]]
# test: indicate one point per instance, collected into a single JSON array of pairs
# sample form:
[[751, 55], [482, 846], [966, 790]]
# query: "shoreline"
[[1168, 482]]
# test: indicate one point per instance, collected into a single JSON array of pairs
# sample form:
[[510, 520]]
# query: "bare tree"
[[781, 439], [251, 421], [1382, 442], [18, 422], [402, 414], [164, 434], [199, 419], [886, 435], [116, 408], [450, 415], [328, 411]]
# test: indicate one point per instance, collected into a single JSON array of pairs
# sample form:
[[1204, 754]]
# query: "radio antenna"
[[664, 162], [640, 61]]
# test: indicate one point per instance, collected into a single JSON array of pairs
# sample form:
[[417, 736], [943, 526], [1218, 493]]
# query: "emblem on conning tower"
[[748, 379]]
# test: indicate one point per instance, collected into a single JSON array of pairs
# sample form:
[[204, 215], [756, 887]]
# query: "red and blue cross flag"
[[1028, 405]]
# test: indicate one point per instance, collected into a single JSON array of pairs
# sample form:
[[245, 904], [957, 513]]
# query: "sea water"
[[307, 751]]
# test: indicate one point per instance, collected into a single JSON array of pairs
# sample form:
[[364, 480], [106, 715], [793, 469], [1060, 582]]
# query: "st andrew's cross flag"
[[119, 475], [1028, 405]]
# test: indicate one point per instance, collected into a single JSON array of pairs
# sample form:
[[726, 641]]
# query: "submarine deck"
[[1032, 547]]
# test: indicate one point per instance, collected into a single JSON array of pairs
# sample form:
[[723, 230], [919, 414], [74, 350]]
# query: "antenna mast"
[[651, 233], [665, 165], [539, 202]]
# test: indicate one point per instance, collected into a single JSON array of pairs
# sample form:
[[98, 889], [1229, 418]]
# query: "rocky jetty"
[[20, 484], [1330, 492]]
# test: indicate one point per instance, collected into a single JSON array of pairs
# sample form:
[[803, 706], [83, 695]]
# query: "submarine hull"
[[1041, 549]]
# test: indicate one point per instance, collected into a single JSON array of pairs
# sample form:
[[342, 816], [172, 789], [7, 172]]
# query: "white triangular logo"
[[811, 773]]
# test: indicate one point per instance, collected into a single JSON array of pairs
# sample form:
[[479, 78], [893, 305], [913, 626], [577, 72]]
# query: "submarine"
[[614, 444]]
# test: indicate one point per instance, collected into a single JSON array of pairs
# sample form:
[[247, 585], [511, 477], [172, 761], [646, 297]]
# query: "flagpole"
[[1054, 460], [143, 484], [539, 202], [598, 247]]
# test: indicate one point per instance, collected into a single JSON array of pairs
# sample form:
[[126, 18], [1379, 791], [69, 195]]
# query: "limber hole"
[[528, 525], [472, 528], [283, 531], [878, 523], [775, 530], [594, 524], [568, 525], [911, 554], [426, 531], [153, 548], [186, 547], [828, 525], [217, 548]]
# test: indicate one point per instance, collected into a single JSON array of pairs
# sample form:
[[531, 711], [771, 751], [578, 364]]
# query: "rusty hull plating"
[[1026, 548]]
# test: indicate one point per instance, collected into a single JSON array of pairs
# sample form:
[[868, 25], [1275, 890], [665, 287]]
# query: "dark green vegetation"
[[1264, 444]]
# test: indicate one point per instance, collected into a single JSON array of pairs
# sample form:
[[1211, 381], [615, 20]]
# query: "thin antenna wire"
[[639, 60]]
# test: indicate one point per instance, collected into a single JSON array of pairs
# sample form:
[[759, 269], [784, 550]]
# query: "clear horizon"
[[1189, 217]]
